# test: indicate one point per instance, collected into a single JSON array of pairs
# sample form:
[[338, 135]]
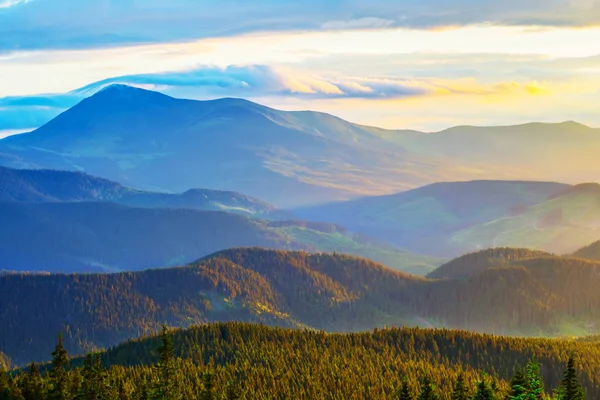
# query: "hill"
[[422, 219], [146, 140], [69, 186], [238, 360], [542, 296], [88, 237], [474, 263], [590, 252], [101, 237], [562, 224]]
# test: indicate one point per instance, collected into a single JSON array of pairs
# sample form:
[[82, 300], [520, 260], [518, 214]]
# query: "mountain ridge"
[[551, 295], [146, 140]]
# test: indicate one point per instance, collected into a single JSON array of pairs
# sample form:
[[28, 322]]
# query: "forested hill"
[[263, 362], [538, 296], [474, 263], [24, 185]]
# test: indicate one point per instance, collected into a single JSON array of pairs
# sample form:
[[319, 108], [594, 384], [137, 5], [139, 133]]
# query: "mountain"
[[563, 224], [472, 264], [146, 140], [590, 252], [422, 219], [100, 237], [69, 186], [539, 296]]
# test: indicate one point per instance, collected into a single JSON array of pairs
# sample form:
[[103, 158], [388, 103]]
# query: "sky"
[[398, 64]]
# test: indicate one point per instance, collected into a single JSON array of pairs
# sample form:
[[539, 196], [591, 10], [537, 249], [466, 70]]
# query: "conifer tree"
[[460, 391], [166, 389], [428, 390], [484, 391], [232, 391], [405, 393], [572, 389], [518, 386], [33, 385], [535, 385], [208, 387], [58, 372]]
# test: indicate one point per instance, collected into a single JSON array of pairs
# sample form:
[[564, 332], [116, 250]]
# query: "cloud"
[[361, 23], [105, 23], [11, 3], [258, 82]]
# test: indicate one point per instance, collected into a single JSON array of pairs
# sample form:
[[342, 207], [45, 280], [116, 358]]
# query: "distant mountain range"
[[438, 218], [522, 293], [68, 186], [73, 224], [146, 140]]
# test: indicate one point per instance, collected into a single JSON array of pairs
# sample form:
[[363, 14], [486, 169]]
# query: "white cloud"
[[11, 3], [360, 23]]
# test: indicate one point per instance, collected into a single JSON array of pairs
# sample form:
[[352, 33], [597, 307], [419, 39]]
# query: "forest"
[[552, 296], [244, 361]]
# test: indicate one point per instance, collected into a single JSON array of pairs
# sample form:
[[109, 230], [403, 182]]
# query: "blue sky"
[[425, 64]]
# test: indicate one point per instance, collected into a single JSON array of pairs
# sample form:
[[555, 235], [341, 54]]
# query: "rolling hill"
[[146, 140], [590, 252], [422, 219], [537, 296], [562, 224], [68, 186], [474, 263], [101, 237]]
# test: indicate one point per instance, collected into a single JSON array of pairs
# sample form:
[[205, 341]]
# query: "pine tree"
[[208, 387], [535, 385], [232, 392], [572, 389], [460, 388], [166, 383], [33, 385], [58, 372], [405, 393], [484, 391], [428, 390], [518, 386]]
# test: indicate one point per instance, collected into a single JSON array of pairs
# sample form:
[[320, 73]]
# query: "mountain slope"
[[146, 140], [562, 224], [540, 296], [422, 219], [474, 263], [99, 237], [590, 252], [68, 186]]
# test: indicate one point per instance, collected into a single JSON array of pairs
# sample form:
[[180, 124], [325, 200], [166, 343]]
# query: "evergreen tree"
[[232, 391], [405, 393], [208, 387], [518, 386], [460, 391], [535, 384], [33, 385], [428, 390], [484, 391], [166, 389], [58, 372], [572, 389]]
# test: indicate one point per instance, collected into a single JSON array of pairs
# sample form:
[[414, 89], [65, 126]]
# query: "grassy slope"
[[538, 229]]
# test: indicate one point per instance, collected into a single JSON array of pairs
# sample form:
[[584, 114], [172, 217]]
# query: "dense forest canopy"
[[245, 361], [550, 295]]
